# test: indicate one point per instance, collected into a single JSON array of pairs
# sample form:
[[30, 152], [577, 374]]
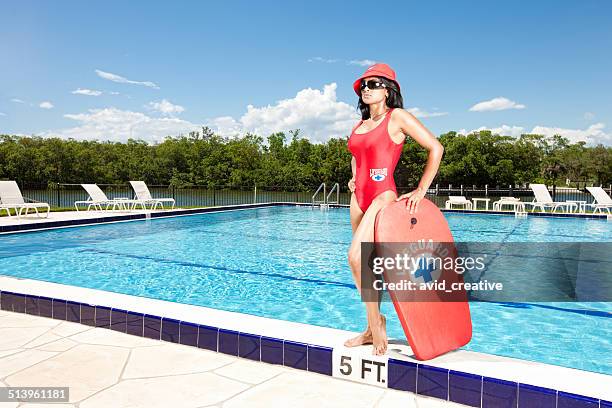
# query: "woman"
[[376, 144]]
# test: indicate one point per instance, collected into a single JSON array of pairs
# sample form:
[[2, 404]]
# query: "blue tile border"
[[531, 396], [228, 342], [271, 350], [59, 309], [170, 330], [208, 337], [402, 375], [45, 307], [188, 334], [499, 393], [31, 305], [152, 327], [88, 315], [103, 317], [118, 320], [456, 386], [320, 359], [568, 400], [465, 388], [432, 381], [19, 303], [249, 346], [295, 354], [73, 311], [135, 324]]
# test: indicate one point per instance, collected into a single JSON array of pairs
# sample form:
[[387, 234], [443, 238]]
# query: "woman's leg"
[[365, 233], [356, 216]]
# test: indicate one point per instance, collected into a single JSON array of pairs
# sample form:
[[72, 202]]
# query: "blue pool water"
[[290, 263]]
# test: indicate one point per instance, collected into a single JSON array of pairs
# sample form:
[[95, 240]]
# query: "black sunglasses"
[[372, 84]]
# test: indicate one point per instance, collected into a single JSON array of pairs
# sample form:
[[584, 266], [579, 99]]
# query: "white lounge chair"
[[11, 198], [516, 203], [143, 196], [458, 200], [544, 200], [97, 199], [601, 199]]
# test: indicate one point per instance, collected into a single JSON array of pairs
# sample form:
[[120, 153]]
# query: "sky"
[[148, 69]]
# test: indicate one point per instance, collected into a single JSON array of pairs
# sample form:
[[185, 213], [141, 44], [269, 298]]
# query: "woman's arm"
[[412, 127]]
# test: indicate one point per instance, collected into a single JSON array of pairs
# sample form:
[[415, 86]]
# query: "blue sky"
[[164, 68]]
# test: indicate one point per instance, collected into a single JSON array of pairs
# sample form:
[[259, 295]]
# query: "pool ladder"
[[518, 213], [519, 210], [326, 196]]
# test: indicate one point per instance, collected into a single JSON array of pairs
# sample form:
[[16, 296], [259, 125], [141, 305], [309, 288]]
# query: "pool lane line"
[[220, 268]]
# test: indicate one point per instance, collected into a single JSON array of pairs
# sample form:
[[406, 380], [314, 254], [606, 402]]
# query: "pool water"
[[290, 263]]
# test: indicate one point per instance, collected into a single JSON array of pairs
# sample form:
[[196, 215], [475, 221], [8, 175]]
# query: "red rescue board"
[[434, 321]]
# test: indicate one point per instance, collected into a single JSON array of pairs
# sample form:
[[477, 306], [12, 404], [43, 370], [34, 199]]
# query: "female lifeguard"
[[376, 143]]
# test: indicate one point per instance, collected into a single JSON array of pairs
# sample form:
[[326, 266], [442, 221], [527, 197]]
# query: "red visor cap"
[[379, 70]]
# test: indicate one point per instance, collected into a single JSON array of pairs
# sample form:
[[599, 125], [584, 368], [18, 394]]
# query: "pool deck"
[[103, 368]]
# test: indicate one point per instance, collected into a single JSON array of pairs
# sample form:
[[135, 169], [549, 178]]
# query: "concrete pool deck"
[[104, 368]]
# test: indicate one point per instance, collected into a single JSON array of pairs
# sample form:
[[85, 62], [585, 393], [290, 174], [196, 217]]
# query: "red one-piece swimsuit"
[[376, 156]]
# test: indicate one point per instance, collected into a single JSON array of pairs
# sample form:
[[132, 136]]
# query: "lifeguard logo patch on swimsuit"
[[378, 174]]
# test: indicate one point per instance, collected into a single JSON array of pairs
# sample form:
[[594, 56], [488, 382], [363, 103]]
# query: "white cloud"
[[88, 92], [363, 63], [504, 130], [165, 107], [227, 126], [46, 105], [321, 59], [423, 114], [318, 114], [114, 93], [17, 100], [593, 135], [496, 104], [119, 125], [589, 115], [123, 80], [2, 114]]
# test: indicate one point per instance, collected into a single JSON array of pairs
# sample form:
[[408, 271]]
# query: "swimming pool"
[[290, 263]]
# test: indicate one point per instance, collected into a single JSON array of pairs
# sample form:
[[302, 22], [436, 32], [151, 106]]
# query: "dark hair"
[[394, 100]]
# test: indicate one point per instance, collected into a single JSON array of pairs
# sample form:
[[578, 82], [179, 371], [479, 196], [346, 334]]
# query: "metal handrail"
[[337, 188], [314, 202]]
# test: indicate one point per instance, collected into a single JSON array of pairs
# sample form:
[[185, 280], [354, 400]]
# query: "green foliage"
[[294, 163]]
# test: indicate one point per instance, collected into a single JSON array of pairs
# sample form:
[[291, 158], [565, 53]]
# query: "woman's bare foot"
[[379, 336], [363, 338]]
